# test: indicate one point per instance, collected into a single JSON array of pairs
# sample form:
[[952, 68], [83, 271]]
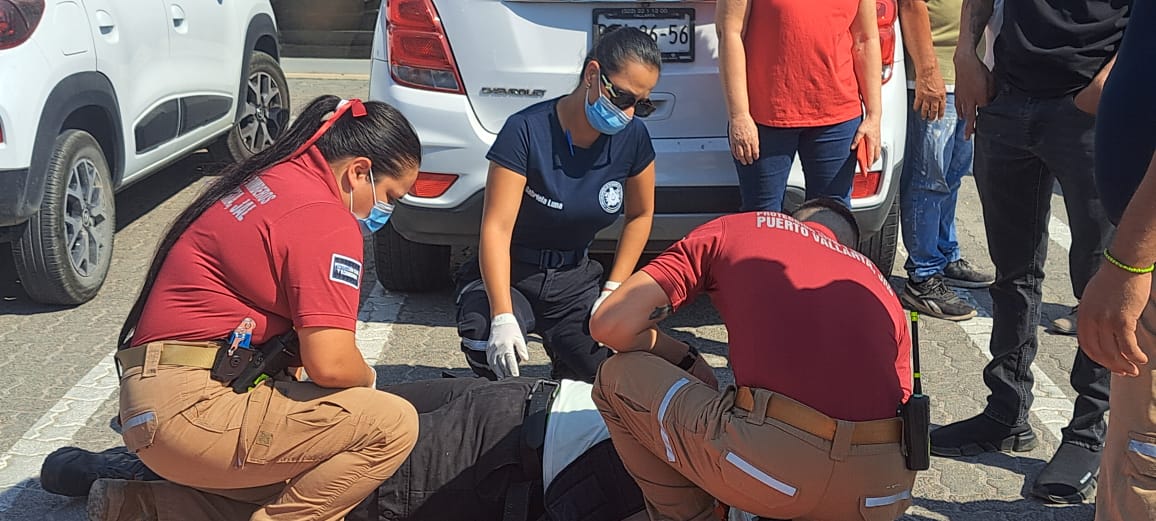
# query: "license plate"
[[671, 27]]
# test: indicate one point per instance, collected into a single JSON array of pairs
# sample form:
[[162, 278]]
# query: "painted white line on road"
[[57, 427], [375, 322]]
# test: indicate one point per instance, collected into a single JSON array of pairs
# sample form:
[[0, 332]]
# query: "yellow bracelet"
[[1130, 269]]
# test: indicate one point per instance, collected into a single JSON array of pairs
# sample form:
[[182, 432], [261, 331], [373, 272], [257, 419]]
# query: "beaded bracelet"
[[1130, 269]]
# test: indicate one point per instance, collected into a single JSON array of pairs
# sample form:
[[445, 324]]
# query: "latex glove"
[[507, 346], [607, 289]]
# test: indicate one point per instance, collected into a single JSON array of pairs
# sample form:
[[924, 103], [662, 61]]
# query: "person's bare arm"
[[930, 91], [628, 321], [1088, 99], [636, 231], [730, 26], [869, 75], [502, 202], [331, 358], [1110, 310], [974, 84]]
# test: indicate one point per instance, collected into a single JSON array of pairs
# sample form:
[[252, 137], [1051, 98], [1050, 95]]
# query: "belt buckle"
[[550, 259], [539, 384]]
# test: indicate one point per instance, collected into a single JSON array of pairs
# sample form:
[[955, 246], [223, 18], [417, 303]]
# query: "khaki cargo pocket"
[[216, 415], [884, 508], [771, 492], [1141, 473], [301, 423], [138, 429]]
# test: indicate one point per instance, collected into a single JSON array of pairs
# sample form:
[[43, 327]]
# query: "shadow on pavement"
[[132, 203], [989, 510], [27, 500]]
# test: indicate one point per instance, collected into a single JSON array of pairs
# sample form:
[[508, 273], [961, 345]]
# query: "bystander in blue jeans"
[[936, 159], [826, 155]]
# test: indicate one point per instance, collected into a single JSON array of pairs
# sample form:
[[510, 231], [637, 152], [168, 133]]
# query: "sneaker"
[[121, 500], [70, 471], [962, 274], [933, 298], [981, 434], [1066, 325]]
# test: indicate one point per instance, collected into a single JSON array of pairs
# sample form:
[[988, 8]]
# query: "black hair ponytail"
[[383, 135]]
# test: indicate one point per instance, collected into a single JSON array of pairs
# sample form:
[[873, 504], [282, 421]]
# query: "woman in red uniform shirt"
[[796, 77], [272, 245]]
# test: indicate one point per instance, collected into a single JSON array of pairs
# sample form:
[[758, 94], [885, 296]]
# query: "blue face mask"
[[604, 116], [378, 215]]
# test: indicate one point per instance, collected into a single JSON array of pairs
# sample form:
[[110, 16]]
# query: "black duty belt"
[[521, 494], [547, 259]]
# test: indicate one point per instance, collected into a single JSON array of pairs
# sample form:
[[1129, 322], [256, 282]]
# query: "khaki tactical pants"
[[686, 444], [299, 451], [1127, 485]]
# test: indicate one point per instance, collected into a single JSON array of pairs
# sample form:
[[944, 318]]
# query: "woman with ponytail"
[[274, 245]]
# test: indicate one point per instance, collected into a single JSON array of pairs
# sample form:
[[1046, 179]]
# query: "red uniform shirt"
[[800, 66], [807, 317], [283, 250]]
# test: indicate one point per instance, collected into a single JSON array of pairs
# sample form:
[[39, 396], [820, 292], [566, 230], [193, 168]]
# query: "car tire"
[[404, 265], [880, 248], [65, 251], [266, 91]]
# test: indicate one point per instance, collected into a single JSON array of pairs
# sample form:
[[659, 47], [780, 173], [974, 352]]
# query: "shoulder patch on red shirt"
[[345, 270]]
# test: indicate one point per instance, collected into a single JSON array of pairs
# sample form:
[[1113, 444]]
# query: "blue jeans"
[[936, 159], [828, 164]]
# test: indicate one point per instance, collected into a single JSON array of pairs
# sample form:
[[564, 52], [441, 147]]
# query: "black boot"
[[70, 471]]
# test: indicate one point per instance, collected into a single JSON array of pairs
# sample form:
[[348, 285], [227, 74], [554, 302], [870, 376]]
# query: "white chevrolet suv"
[[459, 68], [97, 94]]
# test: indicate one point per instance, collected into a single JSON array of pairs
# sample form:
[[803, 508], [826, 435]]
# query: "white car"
[[98, 94], [458, 68]]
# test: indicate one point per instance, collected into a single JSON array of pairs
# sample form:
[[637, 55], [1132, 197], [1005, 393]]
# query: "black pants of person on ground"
[[553, 302], [1023, 145]]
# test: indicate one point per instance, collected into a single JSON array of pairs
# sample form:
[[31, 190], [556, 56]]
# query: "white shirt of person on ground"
[[573, 427]]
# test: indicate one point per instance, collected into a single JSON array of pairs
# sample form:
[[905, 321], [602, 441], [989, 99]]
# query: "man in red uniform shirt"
[[811, 432]]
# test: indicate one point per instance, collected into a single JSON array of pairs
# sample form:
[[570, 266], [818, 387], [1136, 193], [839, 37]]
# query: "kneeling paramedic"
[[271, 251], [821, 355], [516, 450]]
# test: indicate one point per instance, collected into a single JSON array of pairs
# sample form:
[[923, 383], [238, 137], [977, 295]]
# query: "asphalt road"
[[58, 386]]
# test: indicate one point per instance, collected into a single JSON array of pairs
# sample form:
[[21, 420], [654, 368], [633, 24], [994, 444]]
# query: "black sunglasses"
[[642, 107]]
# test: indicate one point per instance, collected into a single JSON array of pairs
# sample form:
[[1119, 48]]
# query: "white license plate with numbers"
[[671, 27]]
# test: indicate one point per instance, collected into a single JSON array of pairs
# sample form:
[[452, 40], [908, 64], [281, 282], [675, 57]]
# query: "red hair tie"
[[353, 105]]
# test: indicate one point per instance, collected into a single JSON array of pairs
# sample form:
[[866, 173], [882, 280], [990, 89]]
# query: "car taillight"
[[866, 185], [419, 52], [431, 185], [18, 18], [885, 12]]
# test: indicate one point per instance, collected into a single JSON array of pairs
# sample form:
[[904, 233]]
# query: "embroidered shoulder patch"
[[346, 271]]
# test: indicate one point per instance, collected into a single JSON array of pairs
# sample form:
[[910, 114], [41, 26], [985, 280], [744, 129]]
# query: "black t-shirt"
[[1053, 48], [571, 193], [1125, 140]]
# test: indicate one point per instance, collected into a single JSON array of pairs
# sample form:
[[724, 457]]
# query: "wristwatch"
[[688, 361]]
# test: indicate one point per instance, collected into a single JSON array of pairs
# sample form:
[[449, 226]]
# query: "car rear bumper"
[[678, 210]]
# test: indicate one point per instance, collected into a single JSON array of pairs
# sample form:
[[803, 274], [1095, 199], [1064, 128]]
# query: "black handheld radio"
[[916, 413]]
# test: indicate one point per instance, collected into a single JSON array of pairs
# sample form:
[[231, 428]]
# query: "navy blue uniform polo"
[[571, 192]]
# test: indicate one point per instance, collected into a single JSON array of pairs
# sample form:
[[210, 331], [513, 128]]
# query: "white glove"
[[507, 346], [607, 289]]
